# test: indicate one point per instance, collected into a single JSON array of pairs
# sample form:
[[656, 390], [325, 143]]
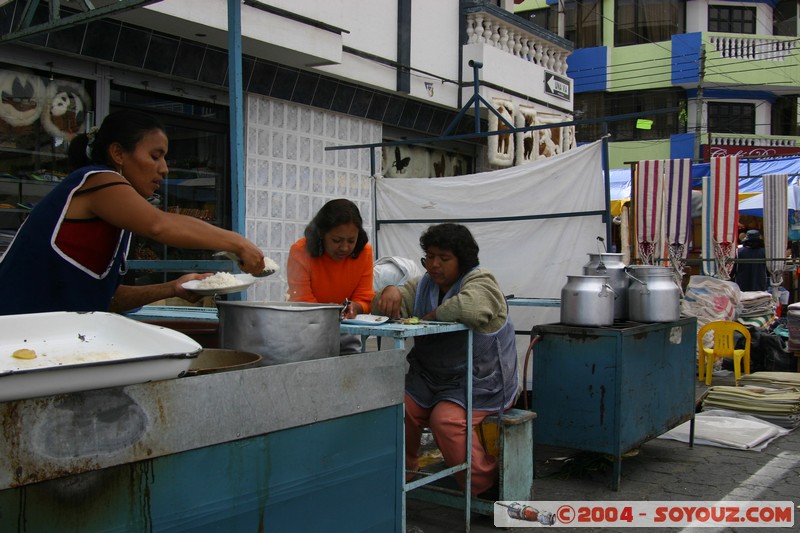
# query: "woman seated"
[[455, 289]]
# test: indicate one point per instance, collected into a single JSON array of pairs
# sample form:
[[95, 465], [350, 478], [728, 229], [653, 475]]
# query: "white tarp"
[[506, 211]]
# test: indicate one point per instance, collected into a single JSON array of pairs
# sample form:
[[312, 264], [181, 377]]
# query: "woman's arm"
[[480, 304], [298, 274], [124, 208], [364, 292], [132, 296]]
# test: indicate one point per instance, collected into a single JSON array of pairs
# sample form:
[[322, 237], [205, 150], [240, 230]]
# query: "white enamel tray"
[[84, 351]]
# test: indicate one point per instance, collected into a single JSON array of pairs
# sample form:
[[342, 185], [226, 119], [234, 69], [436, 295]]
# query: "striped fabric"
[[721, 216], [677, 213], [776, 221], [647, 206]]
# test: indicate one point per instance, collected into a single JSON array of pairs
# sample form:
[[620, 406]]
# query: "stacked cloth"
[[770, 396], [710, 299], [758, 309], [793, 325]]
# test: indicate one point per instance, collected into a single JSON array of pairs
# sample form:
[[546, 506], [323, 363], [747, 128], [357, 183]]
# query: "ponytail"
[[77, 153]]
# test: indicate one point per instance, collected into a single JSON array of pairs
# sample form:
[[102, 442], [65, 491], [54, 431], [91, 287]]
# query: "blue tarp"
[[750, 173]]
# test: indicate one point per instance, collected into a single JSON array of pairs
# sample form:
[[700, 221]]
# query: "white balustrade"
[[483, 27], [754, 48]]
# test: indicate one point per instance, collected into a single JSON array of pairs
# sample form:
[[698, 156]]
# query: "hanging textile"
[[721, 216], [776, 221], [677, 213], [647, 206]]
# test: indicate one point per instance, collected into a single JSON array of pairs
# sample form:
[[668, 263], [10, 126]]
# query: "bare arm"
[[124, 208], [132, 296]]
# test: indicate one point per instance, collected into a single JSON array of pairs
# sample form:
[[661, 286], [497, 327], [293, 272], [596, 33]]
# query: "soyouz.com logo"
[[644, 514]]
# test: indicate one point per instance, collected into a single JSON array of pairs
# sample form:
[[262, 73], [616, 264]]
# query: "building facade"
[[314, 75], [729, 70]]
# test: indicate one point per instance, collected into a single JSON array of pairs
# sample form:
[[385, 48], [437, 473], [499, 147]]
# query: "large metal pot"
[[280, 332], [587, 301], [653, 295], [611, 265]]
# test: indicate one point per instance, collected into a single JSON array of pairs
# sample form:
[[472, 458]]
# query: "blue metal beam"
[[56, 22]]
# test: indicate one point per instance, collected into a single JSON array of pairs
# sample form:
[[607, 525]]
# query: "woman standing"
[[332, 263], [71, 252], [455, 289]]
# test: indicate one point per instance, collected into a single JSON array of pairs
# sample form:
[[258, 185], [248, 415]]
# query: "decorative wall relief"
[[406, 162], [64, 113], [21, 97], [36, 111], [527, 141], [500, 148], [549, 138]]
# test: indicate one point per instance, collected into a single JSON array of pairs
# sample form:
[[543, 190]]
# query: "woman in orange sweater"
[[333, 263]]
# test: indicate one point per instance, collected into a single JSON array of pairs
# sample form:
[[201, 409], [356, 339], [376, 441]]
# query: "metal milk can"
[[653, 295], [587, 301], [611, 265]]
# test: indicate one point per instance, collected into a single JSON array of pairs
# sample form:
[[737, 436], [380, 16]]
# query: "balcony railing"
[[755, 47], [488, 24], [748, 141]]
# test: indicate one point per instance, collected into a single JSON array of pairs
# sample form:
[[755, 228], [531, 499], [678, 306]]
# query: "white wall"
[[289, 175]]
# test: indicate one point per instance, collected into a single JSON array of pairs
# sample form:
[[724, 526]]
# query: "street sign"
[[556, 85]]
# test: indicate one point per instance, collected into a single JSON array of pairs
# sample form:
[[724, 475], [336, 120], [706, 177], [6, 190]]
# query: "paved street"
[[662, 470]]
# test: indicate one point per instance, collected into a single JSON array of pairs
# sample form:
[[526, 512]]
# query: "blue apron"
[[37, 277], [438, 362]]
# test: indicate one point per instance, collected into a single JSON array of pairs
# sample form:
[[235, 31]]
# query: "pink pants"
[[447, 421]]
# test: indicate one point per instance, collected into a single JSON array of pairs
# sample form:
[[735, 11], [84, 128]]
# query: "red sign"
[[751, 151]]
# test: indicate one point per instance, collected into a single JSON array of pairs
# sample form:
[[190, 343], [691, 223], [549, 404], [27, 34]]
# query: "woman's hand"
[[190, 296], [352, 310], [251, 258], [390, 301]]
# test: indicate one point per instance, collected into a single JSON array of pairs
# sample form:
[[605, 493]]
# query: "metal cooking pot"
[[212, 360], [280, 332], [653, 295], [611, 265], [587, 301]]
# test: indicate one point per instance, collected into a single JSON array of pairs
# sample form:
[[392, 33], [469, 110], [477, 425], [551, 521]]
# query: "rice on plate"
[[220, 280]]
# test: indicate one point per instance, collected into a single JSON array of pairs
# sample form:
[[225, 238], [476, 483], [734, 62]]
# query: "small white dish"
[[366, 320], [244, 281]]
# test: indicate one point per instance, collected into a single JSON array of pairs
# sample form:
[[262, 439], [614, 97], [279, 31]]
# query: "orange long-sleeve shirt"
[[323, 280]]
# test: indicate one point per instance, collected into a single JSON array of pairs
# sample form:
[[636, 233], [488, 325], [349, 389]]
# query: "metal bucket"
[[280, 332], [653, 295], [611, 265]]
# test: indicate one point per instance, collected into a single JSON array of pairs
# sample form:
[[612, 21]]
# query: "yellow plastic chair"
[[723, 347]]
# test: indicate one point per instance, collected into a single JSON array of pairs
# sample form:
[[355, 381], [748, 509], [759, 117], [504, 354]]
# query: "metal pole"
[[236, 115]]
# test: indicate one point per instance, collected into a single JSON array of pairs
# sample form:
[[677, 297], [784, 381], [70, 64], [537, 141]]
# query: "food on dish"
[[220, 280], [269, 264], [24, 353], [410, 320]]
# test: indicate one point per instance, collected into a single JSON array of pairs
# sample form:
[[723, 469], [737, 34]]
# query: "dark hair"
[[334, 213], [126, 127], [454, 238]]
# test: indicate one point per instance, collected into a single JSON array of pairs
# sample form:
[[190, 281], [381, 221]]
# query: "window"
[[785, 18], [197, 184], [732, 19], [599, 105], [725, 117], [583, 21], [40, 113], [784, 116], [648, 21]]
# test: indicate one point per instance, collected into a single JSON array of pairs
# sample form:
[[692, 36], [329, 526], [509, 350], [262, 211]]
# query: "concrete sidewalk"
[[661, 470]]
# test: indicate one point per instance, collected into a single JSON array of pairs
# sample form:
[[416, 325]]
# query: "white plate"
[[366, 320], [245, 280]]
